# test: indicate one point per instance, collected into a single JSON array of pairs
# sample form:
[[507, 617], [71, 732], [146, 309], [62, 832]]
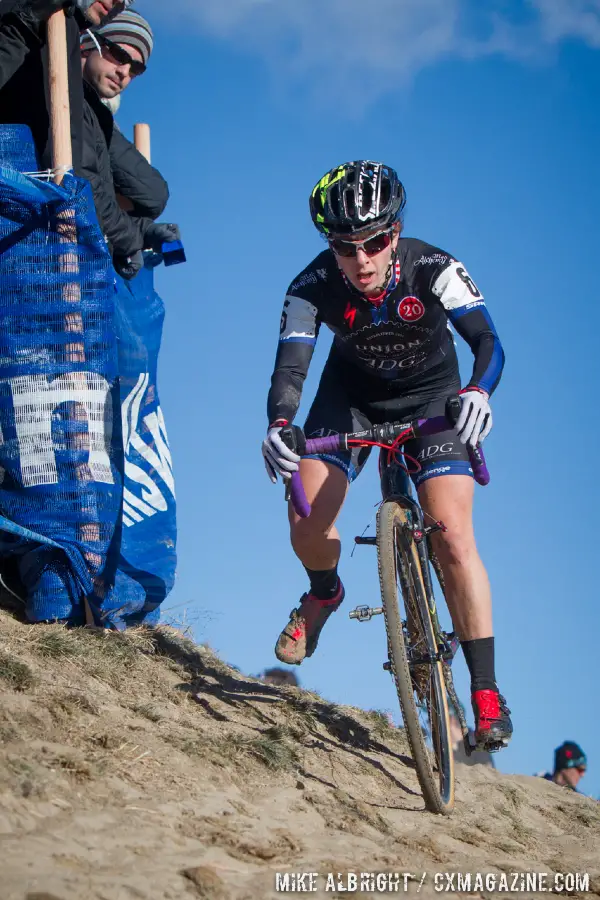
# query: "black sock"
[[479, 655], [323, 584]]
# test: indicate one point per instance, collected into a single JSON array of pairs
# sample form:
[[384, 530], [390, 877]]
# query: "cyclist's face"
[[368, 273]]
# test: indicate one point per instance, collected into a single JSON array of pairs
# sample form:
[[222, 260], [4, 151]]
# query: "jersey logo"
[[410, 309], [350, 315]]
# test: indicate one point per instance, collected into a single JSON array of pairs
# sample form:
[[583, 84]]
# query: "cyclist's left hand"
[[475, 420]]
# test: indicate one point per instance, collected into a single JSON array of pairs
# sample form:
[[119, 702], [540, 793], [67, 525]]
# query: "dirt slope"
[[141, 766]]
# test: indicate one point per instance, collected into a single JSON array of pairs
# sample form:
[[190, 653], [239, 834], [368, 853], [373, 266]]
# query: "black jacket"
[[23, 77], [110, 162], [100, 153], [136, 179]]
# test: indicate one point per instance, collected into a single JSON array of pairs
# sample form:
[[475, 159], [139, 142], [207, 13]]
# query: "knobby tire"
[[400, 576]]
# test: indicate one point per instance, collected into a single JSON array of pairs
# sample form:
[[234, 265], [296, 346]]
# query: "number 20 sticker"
[[410, 309]]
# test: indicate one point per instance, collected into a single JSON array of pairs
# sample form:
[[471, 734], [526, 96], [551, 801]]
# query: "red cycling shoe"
[[493, 727], [300, 636]]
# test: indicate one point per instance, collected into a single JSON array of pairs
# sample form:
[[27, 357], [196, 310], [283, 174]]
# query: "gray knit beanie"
[[125, 28]]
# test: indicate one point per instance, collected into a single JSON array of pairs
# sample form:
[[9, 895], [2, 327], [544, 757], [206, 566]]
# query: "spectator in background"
[[112, 56], [24, 66], [570, 765], [23, 101], [280, 677]]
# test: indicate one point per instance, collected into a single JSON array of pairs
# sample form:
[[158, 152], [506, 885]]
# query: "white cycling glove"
[[475, 420], [279, 459]]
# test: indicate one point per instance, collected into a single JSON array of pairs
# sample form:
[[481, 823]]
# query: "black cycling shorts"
[[349, 400]]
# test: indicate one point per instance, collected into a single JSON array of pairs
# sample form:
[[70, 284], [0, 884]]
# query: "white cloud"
[[350, 43], [561, 19]]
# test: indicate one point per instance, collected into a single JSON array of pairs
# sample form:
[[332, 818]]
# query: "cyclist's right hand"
[[279, 459]]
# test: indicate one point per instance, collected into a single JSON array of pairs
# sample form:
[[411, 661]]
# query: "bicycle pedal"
[[365, 613], [491, 747], [420, 533]]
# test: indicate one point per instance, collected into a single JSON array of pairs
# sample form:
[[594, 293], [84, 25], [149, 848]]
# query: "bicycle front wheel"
[[413, 655]]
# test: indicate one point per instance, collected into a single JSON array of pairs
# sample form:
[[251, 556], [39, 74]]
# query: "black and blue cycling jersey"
[[390, 359]]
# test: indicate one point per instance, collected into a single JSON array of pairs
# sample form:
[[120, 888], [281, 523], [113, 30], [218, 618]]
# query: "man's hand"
[[279, 459], [475, 420], [128, 266], [161, 233]]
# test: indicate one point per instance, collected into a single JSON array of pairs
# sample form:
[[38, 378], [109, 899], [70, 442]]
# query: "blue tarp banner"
[[87, 505], [145, 568]]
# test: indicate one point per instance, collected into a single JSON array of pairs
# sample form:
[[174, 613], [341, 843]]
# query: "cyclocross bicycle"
[[420, 652]]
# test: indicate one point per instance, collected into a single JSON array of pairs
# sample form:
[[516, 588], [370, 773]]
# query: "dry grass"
[[56, 642], [17, 674], [379, 722], [273, 749], [146, 733], [25, 778], [149, 711]]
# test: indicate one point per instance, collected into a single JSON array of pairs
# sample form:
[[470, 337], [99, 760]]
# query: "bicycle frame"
[[396, 486]]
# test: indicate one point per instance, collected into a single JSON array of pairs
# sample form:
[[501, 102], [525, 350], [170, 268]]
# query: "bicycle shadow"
[[212, 680]]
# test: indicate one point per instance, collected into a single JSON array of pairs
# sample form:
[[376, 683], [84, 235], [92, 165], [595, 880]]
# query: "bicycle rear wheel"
[[412, 648]]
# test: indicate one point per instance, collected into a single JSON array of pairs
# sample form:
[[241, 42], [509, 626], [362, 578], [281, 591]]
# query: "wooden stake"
[[60, 110], [141, 139], [62, 159]]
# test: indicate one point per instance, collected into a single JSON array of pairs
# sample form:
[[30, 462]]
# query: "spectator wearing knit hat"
[[24, 66], [112, 55], [116, 53], [570, 765]]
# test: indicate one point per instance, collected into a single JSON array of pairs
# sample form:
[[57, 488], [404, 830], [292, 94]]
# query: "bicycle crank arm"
[[452, 646], [365, 613]]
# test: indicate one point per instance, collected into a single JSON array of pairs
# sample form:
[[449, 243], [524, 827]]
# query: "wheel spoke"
[[413, 654]]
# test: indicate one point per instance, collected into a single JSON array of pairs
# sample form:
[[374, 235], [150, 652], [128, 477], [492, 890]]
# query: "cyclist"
[[388, 301]]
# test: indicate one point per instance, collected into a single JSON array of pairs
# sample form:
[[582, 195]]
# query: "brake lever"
[[453, 409]]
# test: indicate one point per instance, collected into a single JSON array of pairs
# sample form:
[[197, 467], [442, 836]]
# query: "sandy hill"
[[141, 766]]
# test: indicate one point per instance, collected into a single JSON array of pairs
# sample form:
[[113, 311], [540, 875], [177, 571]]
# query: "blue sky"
[[491, 120]]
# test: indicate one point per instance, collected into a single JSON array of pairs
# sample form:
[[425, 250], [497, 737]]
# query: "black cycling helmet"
[[356, 196]]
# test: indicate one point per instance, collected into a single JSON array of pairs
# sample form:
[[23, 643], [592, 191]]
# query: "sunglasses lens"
[[377, 244], [122, 58], [343, 248], [372, 246]]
